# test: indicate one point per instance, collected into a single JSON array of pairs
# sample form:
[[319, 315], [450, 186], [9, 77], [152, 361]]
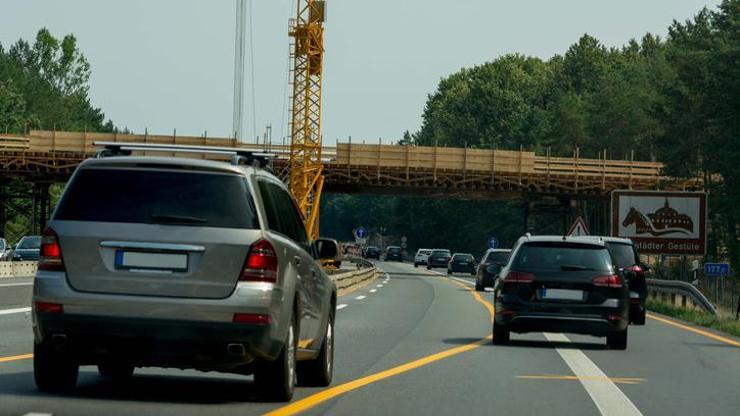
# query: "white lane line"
[[373, 290], [361, 297], [467, 282], [38, 414], [16, 284], [12, 311], [379, 286], [607, 397], [342, 306]]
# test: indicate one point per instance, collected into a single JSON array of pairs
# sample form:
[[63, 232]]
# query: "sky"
[[168, 64]]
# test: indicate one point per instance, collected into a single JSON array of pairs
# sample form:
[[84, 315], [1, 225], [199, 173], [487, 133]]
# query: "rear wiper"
[[176, 219], [569, 268]]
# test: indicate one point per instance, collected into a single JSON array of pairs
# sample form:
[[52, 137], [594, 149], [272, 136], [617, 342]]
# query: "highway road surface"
[[416, 342]]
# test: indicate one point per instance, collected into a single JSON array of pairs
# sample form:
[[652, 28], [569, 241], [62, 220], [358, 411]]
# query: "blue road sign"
[[361, 232], [716, 269], [492, 242]]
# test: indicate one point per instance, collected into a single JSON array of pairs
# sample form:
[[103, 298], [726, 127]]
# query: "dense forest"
[[675, 100]]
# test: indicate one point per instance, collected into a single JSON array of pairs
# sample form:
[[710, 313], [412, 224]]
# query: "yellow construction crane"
[[306, 170]]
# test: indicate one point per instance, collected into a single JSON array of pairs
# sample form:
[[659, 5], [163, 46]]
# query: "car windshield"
[[158, 197], [30, 243], [623, 254], [440, 253], [562, 257]]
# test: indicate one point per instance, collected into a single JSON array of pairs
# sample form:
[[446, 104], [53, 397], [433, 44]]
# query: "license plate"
[[151, 261], [561, 294]]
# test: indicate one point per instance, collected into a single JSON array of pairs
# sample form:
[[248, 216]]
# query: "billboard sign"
[[661, 222]]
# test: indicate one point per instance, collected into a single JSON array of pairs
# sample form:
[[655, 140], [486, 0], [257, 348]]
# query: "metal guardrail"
[[17, 268], [685, 290]]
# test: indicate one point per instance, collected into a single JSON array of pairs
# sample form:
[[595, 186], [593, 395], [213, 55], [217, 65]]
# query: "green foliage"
[[718, 322]]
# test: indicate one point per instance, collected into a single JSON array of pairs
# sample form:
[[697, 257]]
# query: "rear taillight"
[[639, 272], [261, 264], [50, 253], [251, 318], [48, 307], [607, 281], [519, 277]]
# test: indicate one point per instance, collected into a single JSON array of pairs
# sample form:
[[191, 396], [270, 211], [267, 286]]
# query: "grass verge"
[[725, 324]]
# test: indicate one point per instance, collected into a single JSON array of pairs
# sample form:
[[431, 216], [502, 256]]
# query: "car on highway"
[[562, 284], [393, 253], [439, 258], [490, 265], [461, 263], [5, 250], [372, 252], [626, 257], [184, 263], [27, 248], [421, 257]]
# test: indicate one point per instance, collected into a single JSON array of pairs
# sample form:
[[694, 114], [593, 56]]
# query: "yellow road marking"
[[15, 358], [616, 380], [328, 394], [305, 343], [707, 334]]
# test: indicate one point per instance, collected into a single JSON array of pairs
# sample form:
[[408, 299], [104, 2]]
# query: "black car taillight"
[[261, 264], [519, 277], [611, 281], [639, 271], [50, 252]]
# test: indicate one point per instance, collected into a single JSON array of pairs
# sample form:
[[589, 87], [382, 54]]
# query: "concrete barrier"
[[17, 268]]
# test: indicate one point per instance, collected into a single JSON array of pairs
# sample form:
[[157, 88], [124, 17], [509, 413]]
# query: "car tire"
[[479, 287], [319, 371], [54, 370], [115, 371], [416, 265], [449, 271], [276, 379], [617, 340], [429, 267], [501, 334]]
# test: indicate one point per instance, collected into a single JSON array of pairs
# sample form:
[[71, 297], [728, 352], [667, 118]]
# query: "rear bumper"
[[437, 264], [487, 280], [463, 269], [178, 332], [159, 343], [596, 320]]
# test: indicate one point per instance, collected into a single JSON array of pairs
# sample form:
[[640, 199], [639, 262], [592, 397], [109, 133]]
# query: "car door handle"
[[297, 261]]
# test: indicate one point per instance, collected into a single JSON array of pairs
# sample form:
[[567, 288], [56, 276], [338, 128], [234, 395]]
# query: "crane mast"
[[306, 170]]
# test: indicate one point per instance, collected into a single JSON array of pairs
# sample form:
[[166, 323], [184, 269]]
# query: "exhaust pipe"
[[236, 349]]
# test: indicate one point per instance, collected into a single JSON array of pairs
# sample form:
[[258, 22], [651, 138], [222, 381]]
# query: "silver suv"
[[182, 263]]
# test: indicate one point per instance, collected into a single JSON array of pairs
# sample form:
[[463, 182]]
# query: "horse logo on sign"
[[665, 220]]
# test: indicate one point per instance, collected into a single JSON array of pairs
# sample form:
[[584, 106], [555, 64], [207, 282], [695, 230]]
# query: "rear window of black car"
[[562, 257], [394, 249], [440, 253], [159, 197], [30, 243], [623, 254], [464, 257], [497, 257]]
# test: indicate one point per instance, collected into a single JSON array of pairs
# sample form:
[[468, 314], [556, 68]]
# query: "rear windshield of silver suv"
[[159, 197]]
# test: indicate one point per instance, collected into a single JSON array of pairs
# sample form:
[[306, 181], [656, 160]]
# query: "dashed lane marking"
[[16, 284], [607, 397], [361, 297], [342, 306], [373, 290], [615, 380], [16, 310]]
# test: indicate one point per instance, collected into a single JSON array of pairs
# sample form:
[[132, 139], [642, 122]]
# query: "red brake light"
[[50, 253], [261, 264], [639, 272], [607, 281], [48, 307], [519, 277]]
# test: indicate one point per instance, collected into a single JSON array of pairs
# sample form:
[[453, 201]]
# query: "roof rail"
[[239, 156]]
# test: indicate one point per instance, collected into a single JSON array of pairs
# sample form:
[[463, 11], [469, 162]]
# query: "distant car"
[[625, 256], [562, 284], [490, 265], [5, 251], [438, 259], [421, 257], [393, 253], [27, 249], [461, 263], [372, 252]]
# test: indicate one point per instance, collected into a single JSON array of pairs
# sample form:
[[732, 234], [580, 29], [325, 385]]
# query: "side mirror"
[[326, 248]]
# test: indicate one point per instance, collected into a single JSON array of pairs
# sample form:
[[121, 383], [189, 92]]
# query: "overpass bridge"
[[45, 157]]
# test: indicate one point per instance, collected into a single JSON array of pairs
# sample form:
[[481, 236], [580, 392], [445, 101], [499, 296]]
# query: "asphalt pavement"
[[416, 342]]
